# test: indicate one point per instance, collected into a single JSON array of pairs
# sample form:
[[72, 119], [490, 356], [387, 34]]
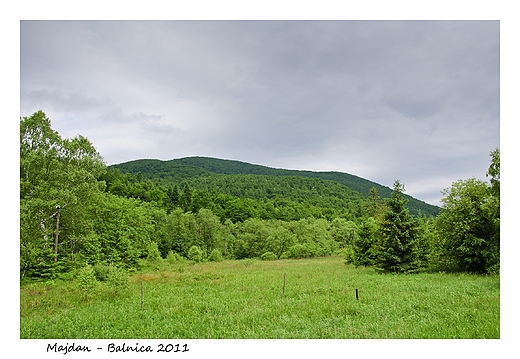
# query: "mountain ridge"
[[188, 168]]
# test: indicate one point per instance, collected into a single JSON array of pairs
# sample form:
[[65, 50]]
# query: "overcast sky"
[[416, 101]]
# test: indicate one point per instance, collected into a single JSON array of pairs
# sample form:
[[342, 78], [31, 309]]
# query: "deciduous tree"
[[469, 224], [54, 172]]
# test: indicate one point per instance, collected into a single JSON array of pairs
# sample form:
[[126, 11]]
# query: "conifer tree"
[[188, 201], [173, 194], [398, 232], [364, 243], [374, 205]]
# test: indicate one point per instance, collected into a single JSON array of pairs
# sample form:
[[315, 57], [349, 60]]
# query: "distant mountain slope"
[[215, 165], [191, 168]]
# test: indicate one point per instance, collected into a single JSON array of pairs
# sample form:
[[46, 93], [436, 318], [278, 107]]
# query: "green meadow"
[[307, 298]]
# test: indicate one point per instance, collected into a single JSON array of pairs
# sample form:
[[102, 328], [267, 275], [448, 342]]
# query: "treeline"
[[74, 211]]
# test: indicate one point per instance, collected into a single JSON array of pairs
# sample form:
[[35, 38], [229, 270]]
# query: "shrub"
[[101, 271], [350, 255], [215, 256], [117, 278], [154, 255], [86, 278], [173, 257], [268, 256], [195, 254], [299, 251]]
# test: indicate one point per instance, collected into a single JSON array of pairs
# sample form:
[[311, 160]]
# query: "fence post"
[[142, 296]]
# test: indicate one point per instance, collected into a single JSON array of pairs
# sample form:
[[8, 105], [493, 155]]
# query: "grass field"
[[247, 299]]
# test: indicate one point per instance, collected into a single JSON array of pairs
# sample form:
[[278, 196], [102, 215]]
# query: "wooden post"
[[56, 237], [142, 296], [283, 289], [357, 296]]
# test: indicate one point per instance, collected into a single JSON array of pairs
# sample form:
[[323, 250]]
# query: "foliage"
[[173, 257], [342, 232], [268, 256], [86, 278], [494, 173], [123, 228], [101, 271], [58, 180], [139, 212], [320, 189], [425, 251], [492, 210], [374, 206], [208, 230], [195, 254], [280, 240], [365, 242], [252, 238], [117, 279], [299, 251], [153, 254], [467, 227], [90, 226], [398, 233], [215, 256], [349, 254], [469, 223]]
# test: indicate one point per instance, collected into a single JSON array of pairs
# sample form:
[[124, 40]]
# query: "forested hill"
[[237, 178], [77, 214]]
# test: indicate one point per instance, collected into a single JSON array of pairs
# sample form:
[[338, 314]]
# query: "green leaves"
[[109, 217], [470, 225], [93, 226], [53, 172], [470, 221], [195, 254], [494, 172]]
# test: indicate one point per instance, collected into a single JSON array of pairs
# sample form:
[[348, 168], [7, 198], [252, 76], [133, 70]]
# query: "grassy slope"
[[243, 299]]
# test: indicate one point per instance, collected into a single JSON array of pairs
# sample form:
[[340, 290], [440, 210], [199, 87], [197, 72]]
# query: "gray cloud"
[[414, 100], [74, 101]]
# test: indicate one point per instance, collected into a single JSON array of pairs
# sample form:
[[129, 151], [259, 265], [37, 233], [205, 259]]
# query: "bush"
[[350, 255], [494, 270], [173, 257], [195, 254], [86, 278], [117, 278], [215, 256], [101, 271], [268, 256], [299, 251], [154, 255]]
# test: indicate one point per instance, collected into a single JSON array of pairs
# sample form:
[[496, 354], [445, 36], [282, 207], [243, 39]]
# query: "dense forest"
[[202, 172], [76, 211]]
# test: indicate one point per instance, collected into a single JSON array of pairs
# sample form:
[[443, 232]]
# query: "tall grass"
[[244, 299]]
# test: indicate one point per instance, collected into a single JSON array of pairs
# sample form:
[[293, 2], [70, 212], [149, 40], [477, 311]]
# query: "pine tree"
[[374, 205], [398, 232], [364, 243]]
